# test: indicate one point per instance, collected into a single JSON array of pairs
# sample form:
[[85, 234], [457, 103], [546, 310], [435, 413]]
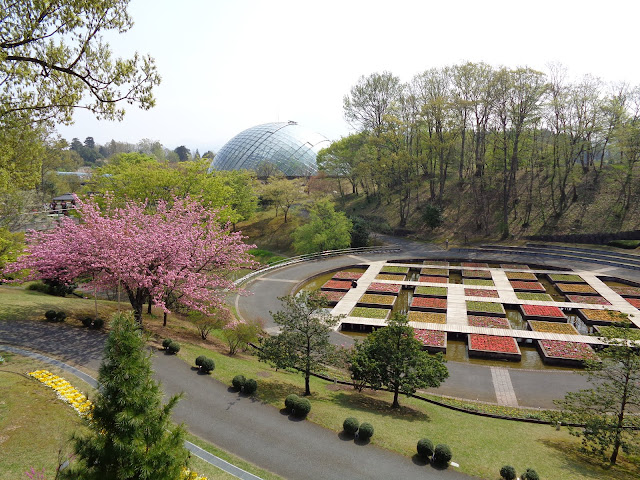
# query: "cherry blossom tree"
[[181, 250]]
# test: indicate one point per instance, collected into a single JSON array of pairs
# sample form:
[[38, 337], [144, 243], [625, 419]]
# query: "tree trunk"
[[164, 319], [307, 389], [149, 306], [396, 404]]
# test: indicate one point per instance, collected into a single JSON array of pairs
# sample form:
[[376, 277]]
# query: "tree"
[[180, 249], [392, 357], [130, 432], [283, 193], [183, 153], [608, 410], [240, 334], [326, 230], [303, 343]]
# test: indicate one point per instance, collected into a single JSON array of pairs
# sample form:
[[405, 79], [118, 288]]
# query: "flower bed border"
[[493, 355]]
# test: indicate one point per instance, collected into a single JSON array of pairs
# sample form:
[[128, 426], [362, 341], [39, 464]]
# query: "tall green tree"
[[303, 342], [130, 431], [392, 357], [609, 410], [326, 230]]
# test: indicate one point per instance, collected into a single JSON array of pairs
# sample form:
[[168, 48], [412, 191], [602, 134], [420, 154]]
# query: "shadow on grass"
[[275, 391], [365, 403]]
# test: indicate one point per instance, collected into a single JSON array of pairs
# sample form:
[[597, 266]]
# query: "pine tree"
[[131, 435]]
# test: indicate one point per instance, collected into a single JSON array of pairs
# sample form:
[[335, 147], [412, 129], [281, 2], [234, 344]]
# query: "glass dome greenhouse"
[[287, 145]]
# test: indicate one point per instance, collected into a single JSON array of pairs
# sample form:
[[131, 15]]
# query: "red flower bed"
[[634, 301], [572, 350], [333, 296], [429, 302], [480, 292], [432, 279], [527, 286], [337, 285], [347, 275], [488, 322], [541, 311], [434, 338], [593, 299], [475, 265], [493, 343], [384, 287]]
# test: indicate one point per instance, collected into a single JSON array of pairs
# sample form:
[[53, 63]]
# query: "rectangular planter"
[[592, 299], [347, 275], [390, 276], [436, 272], [439, 292], [631, 292], [427, 317], [377, 301], [485, 321], [333, 297], [538, 297], [337, 285], [574, 355], [565, 278], [432, 279], [429, 304], [542, 312], [523, 286], [523, 276], [552, 327], [367, 312], [471, 273], [576, 288], [600, 317], [481, 292], [384, 288], [493, 309], [495, 348], [433, 341]]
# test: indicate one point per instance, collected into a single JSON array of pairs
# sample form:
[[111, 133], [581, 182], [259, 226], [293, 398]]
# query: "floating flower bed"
[[333, 296], [434, 341], [543, 312], [386, 288], [470, 273], [521, 276], [438, 263], [478, 281], [64, 390], [565, 278], [429, 303], [347, 275], [366, 312], [515, 266], [427, 317], [540, 297], [582, 288], [521, 286], [373, 300], [552, 327], [430, 291], [488, 322], [480, 308], [439, 272], [567, 354], [389, 276], [337, 285], [612, 332], [474, 265], [593, 299], [481, 292], [634, 301], [601, 317], [627, 291], [432, 279], [394, 269], [493, 347]]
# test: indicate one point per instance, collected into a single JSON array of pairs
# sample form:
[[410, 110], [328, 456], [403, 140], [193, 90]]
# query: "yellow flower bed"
[[553, 327], [427, 317], [191, 475], [65, 391]]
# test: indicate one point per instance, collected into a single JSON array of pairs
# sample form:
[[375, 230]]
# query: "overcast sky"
[[229, 65]]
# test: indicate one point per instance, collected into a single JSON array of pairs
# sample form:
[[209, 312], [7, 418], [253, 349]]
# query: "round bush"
[[250, 386], [166, 342], [290, 401], [97, 324], [199, 360], [508, 472], [50, 315], [365, 432], [530, 474], [302, 407], [350, 425], [60, 316], [173, 348], [442, 455], [425, 448], [207, 365], [87, 321], [238, 382]]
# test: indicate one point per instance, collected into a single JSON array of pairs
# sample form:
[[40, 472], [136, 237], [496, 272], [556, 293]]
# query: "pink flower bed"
[[493, 343], [488, 322], [432, 279], [429, 302], [337, 285], [527, 286], [384, 287], [333, 296], [541, 311], [347, 275], [432, 338], [569, 350], [593, 299], [480, 292]]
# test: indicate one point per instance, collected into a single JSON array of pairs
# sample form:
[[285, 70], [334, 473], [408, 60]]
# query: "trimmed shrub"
[[365, 432], [166, 342], [54, 316], [199, 360], [238, 382], [530, 474], [350, 425], [290, 401], [508, 472], [250, 386], [442, 455], [302, 407], [97, 324], [87, 321], [173, 348], [425, 448], [207, 365]]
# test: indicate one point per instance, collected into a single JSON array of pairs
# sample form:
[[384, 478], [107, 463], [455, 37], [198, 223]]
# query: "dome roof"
[[287, 145]]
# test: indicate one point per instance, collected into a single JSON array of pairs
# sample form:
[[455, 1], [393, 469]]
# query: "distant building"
[[292, 149]]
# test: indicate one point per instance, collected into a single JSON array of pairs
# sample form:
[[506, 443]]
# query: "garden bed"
[[336, 285], [384, 288], [437, 263], [434, 341], [480, 308], [373, 300], [593, 299], [552, 327], [538, 297], [565, 354], [542, 312], [578, 288], [527, 276], [432, 279], [474, 265], [488, 322], [601, 317], [634, 302], [478, 281], [440, 292], [394, 269], [480, 292], [343, 275], [493, 347], [565, 278], [471, 273], [609, 331], [515, 266], [633, 292], [522, 286], [438, 272], [390, 276], [427, 317], [367, 312], [429, 304], [332, 296]]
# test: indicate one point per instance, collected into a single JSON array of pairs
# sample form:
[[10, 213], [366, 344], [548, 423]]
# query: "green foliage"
[[350, 425], [130, 433], [432, 216], [207, 365], [290, 401], [369, 312], [241, 334], [325, 230], [199, 360], [507, 472], [392, 357], [166, 342], [301, 407], [173, 348], [238, 382], [365, 432], [442, 455], [250, 386], [530, 474], [55, 316], [360, 232], [11, 244], [425, 448], [628, 244]]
